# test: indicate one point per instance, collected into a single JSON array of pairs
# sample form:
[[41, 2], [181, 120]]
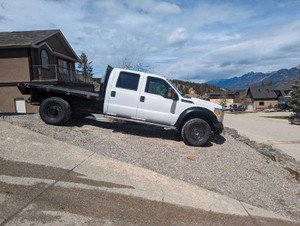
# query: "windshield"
[[176, 88]]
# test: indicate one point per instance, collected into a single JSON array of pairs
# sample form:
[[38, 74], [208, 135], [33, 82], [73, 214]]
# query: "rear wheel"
[[196, 132], [55, 111]]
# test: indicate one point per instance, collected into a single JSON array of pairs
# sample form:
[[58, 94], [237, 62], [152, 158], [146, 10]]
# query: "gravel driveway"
[[225, 165]]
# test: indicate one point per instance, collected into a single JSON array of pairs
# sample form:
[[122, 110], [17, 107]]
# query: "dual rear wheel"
[[55, 111]]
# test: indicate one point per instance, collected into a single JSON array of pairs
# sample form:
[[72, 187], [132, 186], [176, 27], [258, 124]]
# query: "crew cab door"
[[154, 103], [124, 94]]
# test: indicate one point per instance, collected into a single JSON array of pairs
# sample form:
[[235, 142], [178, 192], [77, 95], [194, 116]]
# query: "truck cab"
[[148, 97], [134, 96]]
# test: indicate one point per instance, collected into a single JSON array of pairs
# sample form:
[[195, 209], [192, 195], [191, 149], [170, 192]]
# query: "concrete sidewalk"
[[46, 181]]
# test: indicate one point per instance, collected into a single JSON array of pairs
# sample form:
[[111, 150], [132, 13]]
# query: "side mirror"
[[175, 97], [171, 94]]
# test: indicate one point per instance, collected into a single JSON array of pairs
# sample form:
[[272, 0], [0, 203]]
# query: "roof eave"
[[15, 46], [77, 58], [64, 38]]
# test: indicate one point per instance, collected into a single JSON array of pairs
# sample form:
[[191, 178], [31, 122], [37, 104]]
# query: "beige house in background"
[[43, 56], [262, 97], [224, 98]]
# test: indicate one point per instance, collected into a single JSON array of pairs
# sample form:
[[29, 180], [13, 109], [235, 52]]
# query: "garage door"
[[250, 107], [20, 106]]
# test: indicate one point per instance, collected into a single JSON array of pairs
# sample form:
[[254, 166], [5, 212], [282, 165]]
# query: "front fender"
[[197, 112]]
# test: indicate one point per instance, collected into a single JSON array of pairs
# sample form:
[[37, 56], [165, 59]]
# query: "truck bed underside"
[[80, 101]]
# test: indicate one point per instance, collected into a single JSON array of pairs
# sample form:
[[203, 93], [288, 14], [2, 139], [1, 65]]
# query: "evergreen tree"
[[295, 97], [186, 90], [198, 88], [85, 65], [262, 84], [270, 83]]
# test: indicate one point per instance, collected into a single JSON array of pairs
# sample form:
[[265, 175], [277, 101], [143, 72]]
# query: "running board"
[[139, 121]]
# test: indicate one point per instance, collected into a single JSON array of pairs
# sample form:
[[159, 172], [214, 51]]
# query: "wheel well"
[[39, 96], [200, 115]]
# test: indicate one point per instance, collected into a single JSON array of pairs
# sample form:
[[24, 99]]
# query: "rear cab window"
[[127, 80]]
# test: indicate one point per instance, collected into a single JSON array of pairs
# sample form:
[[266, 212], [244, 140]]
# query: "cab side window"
[[128, 80], [157, 86]]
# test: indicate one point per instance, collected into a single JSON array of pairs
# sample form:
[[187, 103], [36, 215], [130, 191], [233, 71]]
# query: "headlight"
[[219, 113]]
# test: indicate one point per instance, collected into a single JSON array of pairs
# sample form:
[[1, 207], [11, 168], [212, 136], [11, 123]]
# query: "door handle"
[[142, 98], [113, 93]]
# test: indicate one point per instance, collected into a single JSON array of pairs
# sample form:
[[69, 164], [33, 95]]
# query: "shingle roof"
[[24, 38], [219, 93], [262, 92]]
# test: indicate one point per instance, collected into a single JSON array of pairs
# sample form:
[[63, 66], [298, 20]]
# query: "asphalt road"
[[276, 132]]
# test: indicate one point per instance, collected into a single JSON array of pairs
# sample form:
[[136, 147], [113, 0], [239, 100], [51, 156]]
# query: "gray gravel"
[[226, 166]]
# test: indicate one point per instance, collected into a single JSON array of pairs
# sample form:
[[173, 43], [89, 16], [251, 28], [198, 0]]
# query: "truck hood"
[[205, 104]]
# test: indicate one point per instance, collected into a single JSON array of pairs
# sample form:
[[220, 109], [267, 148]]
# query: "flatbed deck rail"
[[26, 88]]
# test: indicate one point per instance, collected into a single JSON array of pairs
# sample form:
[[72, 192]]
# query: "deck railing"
[[55, 73]]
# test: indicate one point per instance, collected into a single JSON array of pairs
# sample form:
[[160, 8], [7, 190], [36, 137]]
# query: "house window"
[[62, 66], [261, 103], [45, 59], [71, 71], [128, 81]]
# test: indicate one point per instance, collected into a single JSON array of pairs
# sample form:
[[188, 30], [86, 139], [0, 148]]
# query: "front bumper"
[[218, 127]]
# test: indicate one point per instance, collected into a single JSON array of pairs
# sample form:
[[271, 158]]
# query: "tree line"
[[200, 89]]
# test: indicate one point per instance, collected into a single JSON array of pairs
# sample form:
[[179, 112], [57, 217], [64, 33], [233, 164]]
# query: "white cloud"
[[165, 8], [200, 41], [177, 36], [154, 7]]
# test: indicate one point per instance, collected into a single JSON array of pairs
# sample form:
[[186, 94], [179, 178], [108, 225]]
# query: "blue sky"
[[190, 40]]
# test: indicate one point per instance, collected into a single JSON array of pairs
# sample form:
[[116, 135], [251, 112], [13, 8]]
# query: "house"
[[224, 98], [283, 92], [42, 56], [261, 97]]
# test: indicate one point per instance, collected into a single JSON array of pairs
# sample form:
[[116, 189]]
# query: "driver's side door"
[[154, 104]]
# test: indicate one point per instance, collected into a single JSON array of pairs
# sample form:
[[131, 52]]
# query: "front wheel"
[[196, 132], [55, 111]]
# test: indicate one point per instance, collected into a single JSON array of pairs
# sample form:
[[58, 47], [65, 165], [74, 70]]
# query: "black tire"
[[55, 111], [196, 132]]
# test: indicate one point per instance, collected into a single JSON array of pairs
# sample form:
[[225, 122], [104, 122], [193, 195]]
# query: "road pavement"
[[46, 181], [276, 132]]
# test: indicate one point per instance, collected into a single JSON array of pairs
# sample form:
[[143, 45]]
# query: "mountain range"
[[257, 78]]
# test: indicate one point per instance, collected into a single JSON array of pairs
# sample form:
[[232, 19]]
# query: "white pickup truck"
[[132, 96]]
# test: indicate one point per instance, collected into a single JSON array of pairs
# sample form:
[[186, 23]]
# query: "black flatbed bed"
[[26, 88]]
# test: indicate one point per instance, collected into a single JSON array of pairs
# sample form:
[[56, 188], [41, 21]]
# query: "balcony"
[[55, 73]]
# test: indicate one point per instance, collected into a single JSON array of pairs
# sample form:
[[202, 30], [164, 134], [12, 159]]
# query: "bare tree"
[[223, 101], [135, 63], [244, 100]]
